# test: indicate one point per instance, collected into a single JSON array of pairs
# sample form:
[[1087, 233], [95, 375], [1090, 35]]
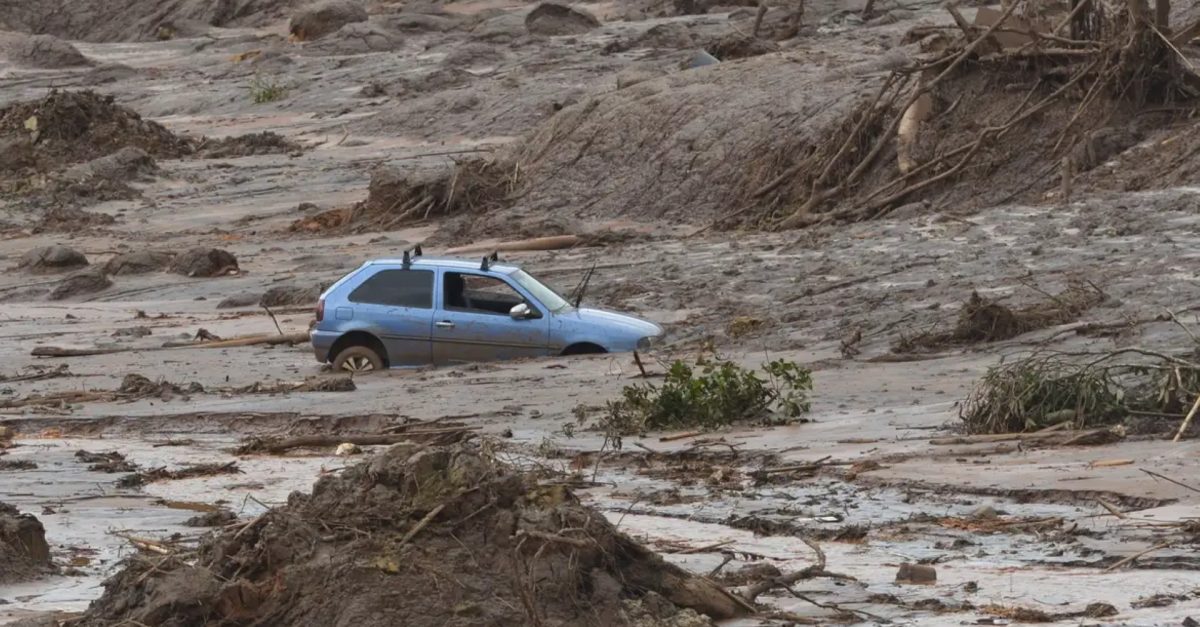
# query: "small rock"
[[346, 449], [132, 332], [916, 573], [985, 512], [204, 262], [1100, 610], [52, 259], [322, 19], [7, 433]]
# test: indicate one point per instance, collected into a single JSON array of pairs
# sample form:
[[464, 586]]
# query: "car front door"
[[472, 321], [397, 306]]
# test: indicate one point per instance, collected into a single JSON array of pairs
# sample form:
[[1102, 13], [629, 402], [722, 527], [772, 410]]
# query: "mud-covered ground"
[[1007, 525]]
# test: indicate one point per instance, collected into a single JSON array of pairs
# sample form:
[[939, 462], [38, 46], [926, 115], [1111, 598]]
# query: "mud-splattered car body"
[[424, 310]]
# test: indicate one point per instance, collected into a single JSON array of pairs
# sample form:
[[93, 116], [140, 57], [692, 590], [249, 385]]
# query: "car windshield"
[[545, 295]]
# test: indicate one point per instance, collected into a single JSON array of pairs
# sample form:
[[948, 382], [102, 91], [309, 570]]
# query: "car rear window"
[[397, 288]]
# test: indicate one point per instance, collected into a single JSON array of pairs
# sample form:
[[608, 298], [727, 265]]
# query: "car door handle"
[[444, 324]]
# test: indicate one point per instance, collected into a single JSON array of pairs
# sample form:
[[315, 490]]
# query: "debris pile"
[[264, 143], [69, 127], [134, 20], [319, 20], [987, 320], [142, 477], [71, 149], [553, 19], [483, 545], [398, 196], [1038, 391], [946, 122], [110, 462], [24, 552]]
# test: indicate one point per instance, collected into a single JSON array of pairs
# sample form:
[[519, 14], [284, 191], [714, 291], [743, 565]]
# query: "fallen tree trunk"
[[1088, 436], [448, 435], [555, 242], [250, 340], [56, 351]]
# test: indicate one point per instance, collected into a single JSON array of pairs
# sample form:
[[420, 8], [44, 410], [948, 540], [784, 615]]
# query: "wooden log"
[[1065, 436], [314, 441], [56, 351], [554, 242], [250, 340]]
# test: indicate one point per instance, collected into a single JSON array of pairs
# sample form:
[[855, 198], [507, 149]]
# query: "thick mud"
[[193, 164]]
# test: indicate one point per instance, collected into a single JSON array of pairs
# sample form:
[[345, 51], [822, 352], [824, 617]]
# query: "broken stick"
[[1187, 421]]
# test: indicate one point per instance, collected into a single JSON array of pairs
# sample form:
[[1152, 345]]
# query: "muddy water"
[[83, 511]]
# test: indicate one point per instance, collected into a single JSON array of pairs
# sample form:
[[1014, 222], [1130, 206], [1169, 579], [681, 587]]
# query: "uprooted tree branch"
[[1099, 65], [1083, 390]]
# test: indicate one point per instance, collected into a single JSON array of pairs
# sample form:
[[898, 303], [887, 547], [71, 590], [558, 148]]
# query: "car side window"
[[397, 288], [478, 294]]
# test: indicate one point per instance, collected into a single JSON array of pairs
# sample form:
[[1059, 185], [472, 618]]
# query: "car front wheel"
[[358, 360]]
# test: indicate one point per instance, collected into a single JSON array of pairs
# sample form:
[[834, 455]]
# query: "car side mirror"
[[519, 311]]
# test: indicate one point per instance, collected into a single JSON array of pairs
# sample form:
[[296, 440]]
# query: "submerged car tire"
[[358, 360]]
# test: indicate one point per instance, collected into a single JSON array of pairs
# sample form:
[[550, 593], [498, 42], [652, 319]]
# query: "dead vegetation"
[[483, 544], [142, 477], [24, 552], [1047, 389], [985, 113], [989, 320], [918, 138], [397, 197]]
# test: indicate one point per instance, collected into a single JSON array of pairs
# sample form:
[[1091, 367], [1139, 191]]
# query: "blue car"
[[422, 310]]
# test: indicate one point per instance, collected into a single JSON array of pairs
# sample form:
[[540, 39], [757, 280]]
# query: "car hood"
[[613, 319]]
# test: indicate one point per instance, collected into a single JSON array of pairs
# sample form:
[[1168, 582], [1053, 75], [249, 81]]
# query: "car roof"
[[448, 262]]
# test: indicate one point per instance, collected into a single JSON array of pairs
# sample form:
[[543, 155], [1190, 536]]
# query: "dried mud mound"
[[23, 550], [415, 536], [264, 143], [204, 262], [56, 258], [134, 20], [66, 128], [319, 20], [552, 19], [676, 147], [398, 195], [40, 51]]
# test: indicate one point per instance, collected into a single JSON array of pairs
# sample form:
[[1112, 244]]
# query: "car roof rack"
[[488, 260], [416, 252]]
